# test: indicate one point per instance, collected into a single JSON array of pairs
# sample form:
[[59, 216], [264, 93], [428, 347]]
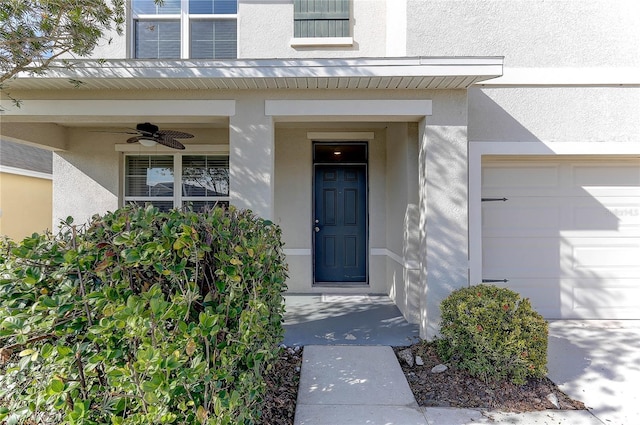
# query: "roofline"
[[90, 71]]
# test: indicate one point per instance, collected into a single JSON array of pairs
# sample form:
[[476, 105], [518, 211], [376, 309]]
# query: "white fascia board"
[[565, 77], [369, 108], [24, 172], [122, 108], [278, 68]]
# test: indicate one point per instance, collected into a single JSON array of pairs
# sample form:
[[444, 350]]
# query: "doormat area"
[[341, 298]]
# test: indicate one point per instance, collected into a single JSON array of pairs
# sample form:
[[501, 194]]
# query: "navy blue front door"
[[340, 228]]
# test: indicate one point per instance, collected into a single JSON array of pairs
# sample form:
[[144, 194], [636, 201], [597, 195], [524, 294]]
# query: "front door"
[[340, 224]]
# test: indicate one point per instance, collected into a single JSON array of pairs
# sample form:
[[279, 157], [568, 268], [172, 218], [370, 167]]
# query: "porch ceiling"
[[357, 73]]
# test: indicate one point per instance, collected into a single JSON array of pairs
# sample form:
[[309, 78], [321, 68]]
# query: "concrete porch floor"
[[344, 319]]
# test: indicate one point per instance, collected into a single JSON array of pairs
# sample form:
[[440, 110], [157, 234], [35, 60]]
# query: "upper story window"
[[321, 18], [185, 29]]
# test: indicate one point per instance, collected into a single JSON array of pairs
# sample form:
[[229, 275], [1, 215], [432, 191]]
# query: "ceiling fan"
[[148, 134]]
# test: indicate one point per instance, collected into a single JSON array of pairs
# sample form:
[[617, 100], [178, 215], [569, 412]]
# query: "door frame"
[[365, 165]]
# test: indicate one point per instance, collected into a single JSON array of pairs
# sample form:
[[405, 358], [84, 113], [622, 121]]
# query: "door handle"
[[316, 229]]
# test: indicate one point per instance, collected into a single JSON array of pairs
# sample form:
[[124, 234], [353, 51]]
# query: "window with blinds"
[[174, 181], [159, 30], [321, 18]]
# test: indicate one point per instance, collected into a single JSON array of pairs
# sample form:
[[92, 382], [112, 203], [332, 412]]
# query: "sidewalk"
[[352, 385]]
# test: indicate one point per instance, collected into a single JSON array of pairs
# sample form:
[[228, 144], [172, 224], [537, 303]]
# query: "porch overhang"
[[355, 73]]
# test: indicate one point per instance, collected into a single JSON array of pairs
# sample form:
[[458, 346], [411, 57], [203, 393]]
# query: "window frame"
[[185, 18], [178, 199], [323, 41]]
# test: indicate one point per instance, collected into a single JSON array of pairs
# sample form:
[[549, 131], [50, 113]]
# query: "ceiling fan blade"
[[134, 139], [169, 142], [175, 134]]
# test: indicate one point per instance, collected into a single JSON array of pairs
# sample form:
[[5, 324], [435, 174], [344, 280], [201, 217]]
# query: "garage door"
[[568, 235]]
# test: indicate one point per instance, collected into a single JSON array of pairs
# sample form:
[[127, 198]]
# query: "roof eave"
[[352, 73]]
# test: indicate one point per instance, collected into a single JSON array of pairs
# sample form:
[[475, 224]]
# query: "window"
[[185, 29], [321, 18], [203, 180]]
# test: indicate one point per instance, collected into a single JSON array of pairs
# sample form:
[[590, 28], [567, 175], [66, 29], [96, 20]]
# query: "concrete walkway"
[[352, 385]]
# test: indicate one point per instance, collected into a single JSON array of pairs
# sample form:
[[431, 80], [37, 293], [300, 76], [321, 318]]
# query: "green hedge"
[[141, 317], [493, 333]]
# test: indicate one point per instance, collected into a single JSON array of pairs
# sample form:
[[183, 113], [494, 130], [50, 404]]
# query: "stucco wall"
[[87, 176], [555, 114], [403, 234], [529, 33], [25, 205], [266, 29], [443, 178], [293, 201]]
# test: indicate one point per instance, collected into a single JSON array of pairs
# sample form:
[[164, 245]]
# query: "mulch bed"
[[456, 388], [282, 388]]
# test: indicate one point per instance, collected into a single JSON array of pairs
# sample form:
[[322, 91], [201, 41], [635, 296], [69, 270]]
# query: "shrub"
[[141, 317], [494, 334]]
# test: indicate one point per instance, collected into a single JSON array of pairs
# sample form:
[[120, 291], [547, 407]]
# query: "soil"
[[456, 388]]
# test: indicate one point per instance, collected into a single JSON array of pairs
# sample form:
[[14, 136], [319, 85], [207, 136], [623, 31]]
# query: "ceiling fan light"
[[149, 143]]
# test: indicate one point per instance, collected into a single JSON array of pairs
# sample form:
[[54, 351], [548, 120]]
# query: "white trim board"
[[384, 252], [565, 77], [358, 109], [23, 172], [123, 108], [478, 149], [340, 135]]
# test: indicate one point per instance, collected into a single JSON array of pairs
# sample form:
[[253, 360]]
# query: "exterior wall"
[[554, 114], [87, 176], [293, 203], [266, 30], [25, 205], [403, 235], [443, 205], [528, 33]]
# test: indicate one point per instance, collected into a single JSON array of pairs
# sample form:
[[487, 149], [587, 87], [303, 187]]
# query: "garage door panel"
[[608, 175], [568, 237], [505, 219], [604, 257], [619, 300], [529, 177], [514, 258], [544, 294]]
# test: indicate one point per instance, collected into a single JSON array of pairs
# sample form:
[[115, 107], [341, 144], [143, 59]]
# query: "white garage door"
[[568, 235]]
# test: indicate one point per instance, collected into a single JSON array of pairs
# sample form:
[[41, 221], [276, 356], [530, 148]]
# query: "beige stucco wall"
[[529, 33], [555, 114], [25, 205], [403, 234], [293, 201], [88, 175], [265, 30]]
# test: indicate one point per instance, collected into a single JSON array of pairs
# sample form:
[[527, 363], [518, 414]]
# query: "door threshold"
[[345, 285]]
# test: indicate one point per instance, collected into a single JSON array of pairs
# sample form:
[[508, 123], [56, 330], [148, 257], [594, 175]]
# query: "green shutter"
[[321, 18]]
